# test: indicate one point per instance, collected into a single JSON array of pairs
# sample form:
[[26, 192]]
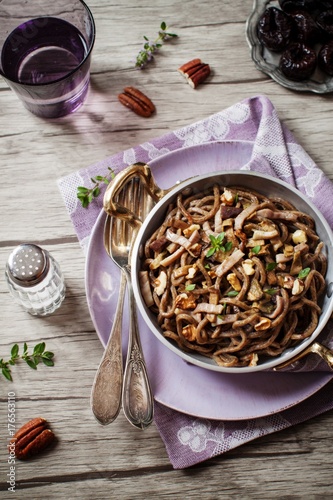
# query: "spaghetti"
[[234, 275]]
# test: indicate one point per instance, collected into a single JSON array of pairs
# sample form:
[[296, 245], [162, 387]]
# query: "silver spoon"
[[106, 393]]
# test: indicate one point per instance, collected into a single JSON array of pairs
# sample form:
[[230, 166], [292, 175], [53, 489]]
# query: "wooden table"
[[119, 461]]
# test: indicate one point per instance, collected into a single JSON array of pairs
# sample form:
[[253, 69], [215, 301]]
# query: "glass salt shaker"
[[35, 279]]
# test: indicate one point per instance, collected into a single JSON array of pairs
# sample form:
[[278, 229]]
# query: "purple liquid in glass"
[[42, 57], [42, 50]]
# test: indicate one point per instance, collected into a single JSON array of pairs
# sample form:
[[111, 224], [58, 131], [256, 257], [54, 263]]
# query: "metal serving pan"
[[266, 185]]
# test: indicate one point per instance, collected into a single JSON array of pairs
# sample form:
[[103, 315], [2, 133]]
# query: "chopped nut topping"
[[296, 265], [184, 301], [255, 291], [254, 360], [298, 287], [189, 230], [234, 281], [288, 282], [195, 249], [271, 278], [247, 265], [299, 236], [277, 243], [191, 272], [288, 250], [189, 333], [227, 197], [263, 324], [227, 223], [251, 243], [156, 262], [160, 283]]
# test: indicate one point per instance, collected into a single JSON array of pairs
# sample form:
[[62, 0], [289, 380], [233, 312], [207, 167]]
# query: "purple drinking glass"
[[45, 53]]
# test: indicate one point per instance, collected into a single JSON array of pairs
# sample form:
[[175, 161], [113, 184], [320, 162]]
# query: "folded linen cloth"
[[190, 440]]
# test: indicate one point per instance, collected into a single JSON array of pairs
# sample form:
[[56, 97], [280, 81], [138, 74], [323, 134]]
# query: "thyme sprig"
[[86, 195], [38, 354], [149, 48]]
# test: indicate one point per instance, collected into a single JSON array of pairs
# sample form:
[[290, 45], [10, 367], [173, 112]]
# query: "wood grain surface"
[[118, 461]]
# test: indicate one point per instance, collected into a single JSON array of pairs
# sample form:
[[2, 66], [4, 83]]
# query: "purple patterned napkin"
[[191, 440]]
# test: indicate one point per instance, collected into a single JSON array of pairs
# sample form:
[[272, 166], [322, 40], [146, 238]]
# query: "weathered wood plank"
[[90, 461]]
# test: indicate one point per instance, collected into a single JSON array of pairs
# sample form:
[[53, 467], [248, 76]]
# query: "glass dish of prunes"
[[292, 42]]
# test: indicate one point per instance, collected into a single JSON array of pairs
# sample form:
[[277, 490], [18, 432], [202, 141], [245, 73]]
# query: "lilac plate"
[[175, 383]]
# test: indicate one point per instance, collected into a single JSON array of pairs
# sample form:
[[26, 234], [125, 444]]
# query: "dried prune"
[[325, 22], [305, 28], [293, 5], [323, 5], [298, 62], [274, 29], [312, 6], [325, 58]]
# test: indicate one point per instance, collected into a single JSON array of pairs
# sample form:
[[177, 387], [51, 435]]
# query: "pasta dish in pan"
[[234, 275]]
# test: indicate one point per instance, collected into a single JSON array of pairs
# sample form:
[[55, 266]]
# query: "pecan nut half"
[[138, 102], [32, 438], [195, 72]]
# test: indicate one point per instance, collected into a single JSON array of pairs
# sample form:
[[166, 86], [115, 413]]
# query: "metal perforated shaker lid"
[[27, 265]]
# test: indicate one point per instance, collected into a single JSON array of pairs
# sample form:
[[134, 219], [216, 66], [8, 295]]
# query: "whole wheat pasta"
[[234, 275]]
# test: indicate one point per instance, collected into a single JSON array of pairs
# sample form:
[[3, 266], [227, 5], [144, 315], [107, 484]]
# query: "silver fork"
[[106, 391], [138, 404]]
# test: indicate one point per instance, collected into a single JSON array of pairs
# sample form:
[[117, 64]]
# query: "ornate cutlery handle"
[[116, 209], [138, 403], [107, 387]]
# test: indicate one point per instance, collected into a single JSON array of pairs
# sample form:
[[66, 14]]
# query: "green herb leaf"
[[256, 249], [96, 191], [47, 362], [30, 363], [101, 178], [232, 293], [6, 373], [14, 351], [210, 252], [270, 266], [217, 244], [228, 246], [84, 202], [39, 348], [190, 287], [271, 291], [82, 189], [303, 274], [48, 354]]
